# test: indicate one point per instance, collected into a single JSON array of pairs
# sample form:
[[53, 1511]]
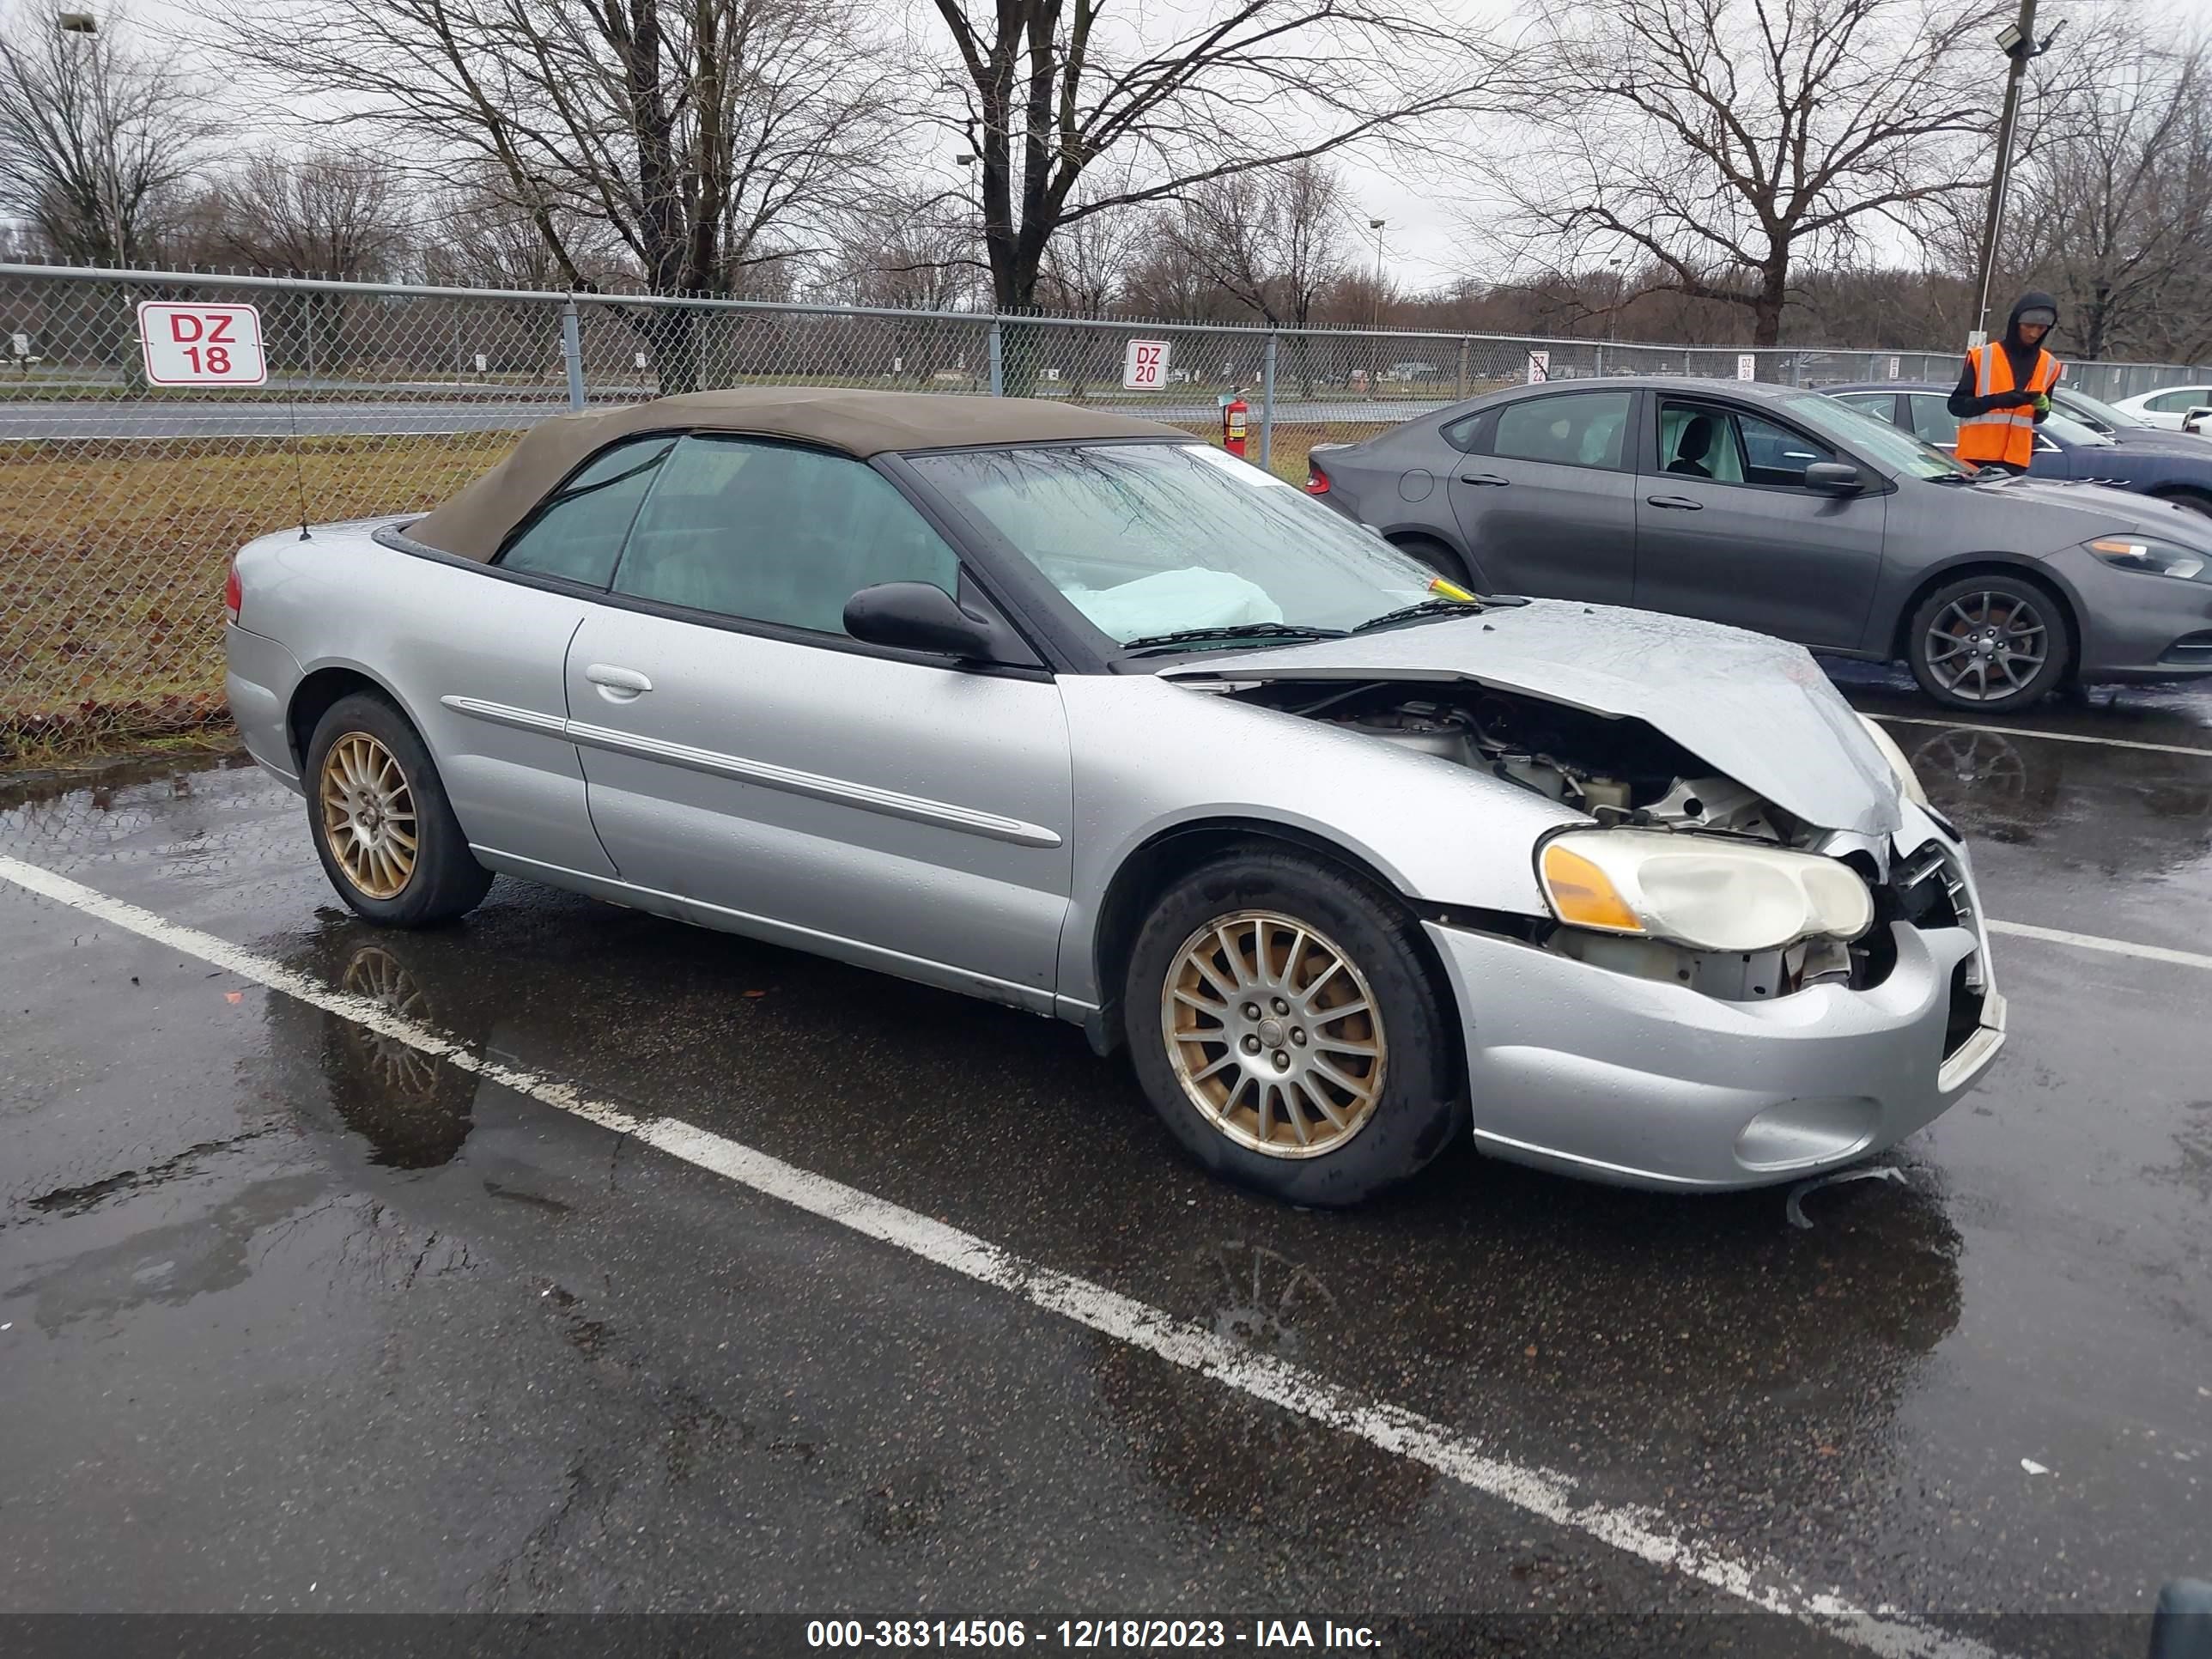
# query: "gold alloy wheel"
[[1275, 1035], [368, 815]]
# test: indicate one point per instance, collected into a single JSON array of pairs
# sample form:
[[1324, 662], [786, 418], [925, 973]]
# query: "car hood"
[[1756, 709], [2051, 514], [2158, 440]]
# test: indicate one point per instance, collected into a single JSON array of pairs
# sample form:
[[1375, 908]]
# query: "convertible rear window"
[[1148, 539]]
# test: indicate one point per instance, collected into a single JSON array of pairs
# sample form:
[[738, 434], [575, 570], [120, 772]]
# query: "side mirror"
[[918, 616], [2196, 419], [1832, 478]]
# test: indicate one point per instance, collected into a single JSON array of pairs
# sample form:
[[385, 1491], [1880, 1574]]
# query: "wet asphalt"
[[294, 1318]]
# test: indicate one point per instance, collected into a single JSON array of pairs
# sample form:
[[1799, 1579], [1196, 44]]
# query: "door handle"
[[617, 684], [1683, 502], [1483, 478]]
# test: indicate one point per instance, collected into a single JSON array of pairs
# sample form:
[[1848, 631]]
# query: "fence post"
[[998, 360], [572, 354], [1464, 343], [1268, 407]]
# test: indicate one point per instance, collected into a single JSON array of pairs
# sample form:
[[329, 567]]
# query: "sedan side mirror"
[[921, 616], [1832, 478]]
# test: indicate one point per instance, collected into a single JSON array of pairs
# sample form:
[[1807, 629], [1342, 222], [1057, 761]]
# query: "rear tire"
[[1990, 643], [2197, 501], [1438, 558], [1285, 1022], [382, 826]]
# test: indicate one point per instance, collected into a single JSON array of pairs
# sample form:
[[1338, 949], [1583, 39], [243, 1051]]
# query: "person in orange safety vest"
[[2005, 390]]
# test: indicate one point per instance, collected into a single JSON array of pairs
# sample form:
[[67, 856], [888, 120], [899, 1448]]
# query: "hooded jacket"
[[1964, 404]]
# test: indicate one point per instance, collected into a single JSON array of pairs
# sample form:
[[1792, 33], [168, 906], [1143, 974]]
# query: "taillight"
[[232, 593], [1316, 480]]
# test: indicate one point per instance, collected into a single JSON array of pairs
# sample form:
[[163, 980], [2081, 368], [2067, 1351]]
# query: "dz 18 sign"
[[189, 344]]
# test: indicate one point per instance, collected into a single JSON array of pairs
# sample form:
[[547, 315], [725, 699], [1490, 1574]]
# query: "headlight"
[[2148, 555], [1699, 892], [1898, 763]]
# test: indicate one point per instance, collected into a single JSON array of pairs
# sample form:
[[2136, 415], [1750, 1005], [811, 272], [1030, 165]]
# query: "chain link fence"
[[121, 502]]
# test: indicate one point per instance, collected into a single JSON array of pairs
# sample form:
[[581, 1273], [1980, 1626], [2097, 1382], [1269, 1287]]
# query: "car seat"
[[1692, 447]]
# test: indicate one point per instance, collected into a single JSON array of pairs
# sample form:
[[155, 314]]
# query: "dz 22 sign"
[[188, 345]]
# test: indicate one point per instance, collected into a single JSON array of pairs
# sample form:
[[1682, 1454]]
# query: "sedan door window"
[[1727, 446], [777, 533], [1932, 423], [1882, 405], [1574, 428], [2180, 400], [577, 531]]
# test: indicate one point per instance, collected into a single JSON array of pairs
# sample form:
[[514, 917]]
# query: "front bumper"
[[1646, 1083], [2135, 627]]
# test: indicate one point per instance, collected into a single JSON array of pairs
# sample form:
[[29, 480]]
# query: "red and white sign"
[[1539, 367], [1747, 366], [1144, 366], [188, 345]]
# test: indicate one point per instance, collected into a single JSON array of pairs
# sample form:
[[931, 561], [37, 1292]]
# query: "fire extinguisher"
[[1232, 425]]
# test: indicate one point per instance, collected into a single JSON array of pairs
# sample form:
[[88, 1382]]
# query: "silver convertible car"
[[1074, 712]]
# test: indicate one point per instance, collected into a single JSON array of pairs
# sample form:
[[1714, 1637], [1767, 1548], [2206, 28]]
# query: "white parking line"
[[2048, 737], [2119, 947], [1547, 1493]]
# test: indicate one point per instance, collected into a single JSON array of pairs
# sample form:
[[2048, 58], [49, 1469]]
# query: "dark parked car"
[[2125, 427], [2174, 466], [1792, 513]]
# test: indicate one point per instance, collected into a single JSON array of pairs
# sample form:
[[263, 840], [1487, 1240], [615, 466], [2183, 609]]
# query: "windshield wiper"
[[1421, 611], [1266, 630]]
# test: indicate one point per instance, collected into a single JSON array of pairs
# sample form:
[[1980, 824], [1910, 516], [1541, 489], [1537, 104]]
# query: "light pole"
[[2017, 41], [1375, 314], [1612, 307], [1375, 318]]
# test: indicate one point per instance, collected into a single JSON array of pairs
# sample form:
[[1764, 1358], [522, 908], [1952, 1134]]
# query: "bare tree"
[[1274, 238], [1061, 94], [2115, 193], [910, 250], [1723, 142], [711, 136], [1088, 265], [95, 139], [326, 213]]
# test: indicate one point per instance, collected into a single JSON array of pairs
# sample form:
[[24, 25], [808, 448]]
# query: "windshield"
[[1872, 436], [1153, 539], [2094, 410], [2073, 432]]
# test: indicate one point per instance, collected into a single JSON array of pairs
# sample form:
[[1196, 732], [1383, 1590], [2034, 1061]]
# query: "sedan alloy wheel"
[[1275, 1034]]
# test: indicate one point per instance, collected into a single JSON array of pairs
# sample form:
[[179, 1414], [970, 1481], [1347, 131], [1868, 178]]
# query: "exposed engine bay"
[[1623, 774], [1620, 771]]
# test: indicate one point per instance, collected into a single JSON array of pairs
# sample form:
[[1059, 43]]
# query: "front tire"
[[1990, 643], [1284, 1020], [1438, 558], [383, 828]]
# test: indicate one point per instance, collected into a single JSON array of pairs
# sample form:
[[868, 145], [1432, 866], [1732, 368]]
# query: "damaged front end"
[[1727, 867], [1749, 952]]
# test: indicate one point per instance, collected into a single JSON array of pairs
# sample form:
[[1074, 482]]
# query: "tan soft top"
[[474, 524]]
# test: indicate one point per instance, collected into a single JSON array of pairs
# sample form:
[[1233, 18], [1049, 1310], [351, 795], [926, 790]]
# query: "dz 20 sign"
[[1144, 366], [189, 344]]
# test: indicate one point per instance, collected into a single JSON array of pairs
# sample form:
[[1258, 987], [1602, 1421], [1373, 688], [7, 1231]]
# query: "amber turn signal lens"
[[1582, 896]]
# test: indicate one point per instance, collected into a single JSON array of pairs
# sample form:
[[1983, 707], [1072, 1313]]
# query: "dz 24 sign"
[[188, 345]]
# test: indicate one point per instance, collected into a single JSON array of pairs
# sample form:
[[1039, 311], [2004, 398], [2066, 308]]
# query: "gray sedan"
[[1786, 511], [1068, 711]]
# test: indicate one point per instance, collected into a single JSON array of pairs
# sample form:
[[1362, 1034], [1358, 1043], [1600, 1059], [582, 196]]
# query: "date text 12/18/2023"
[[1084, 1634]]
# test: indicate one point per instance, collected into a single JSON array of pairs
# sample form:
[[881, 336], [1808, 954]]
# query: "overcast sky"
[[1423, 245]]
